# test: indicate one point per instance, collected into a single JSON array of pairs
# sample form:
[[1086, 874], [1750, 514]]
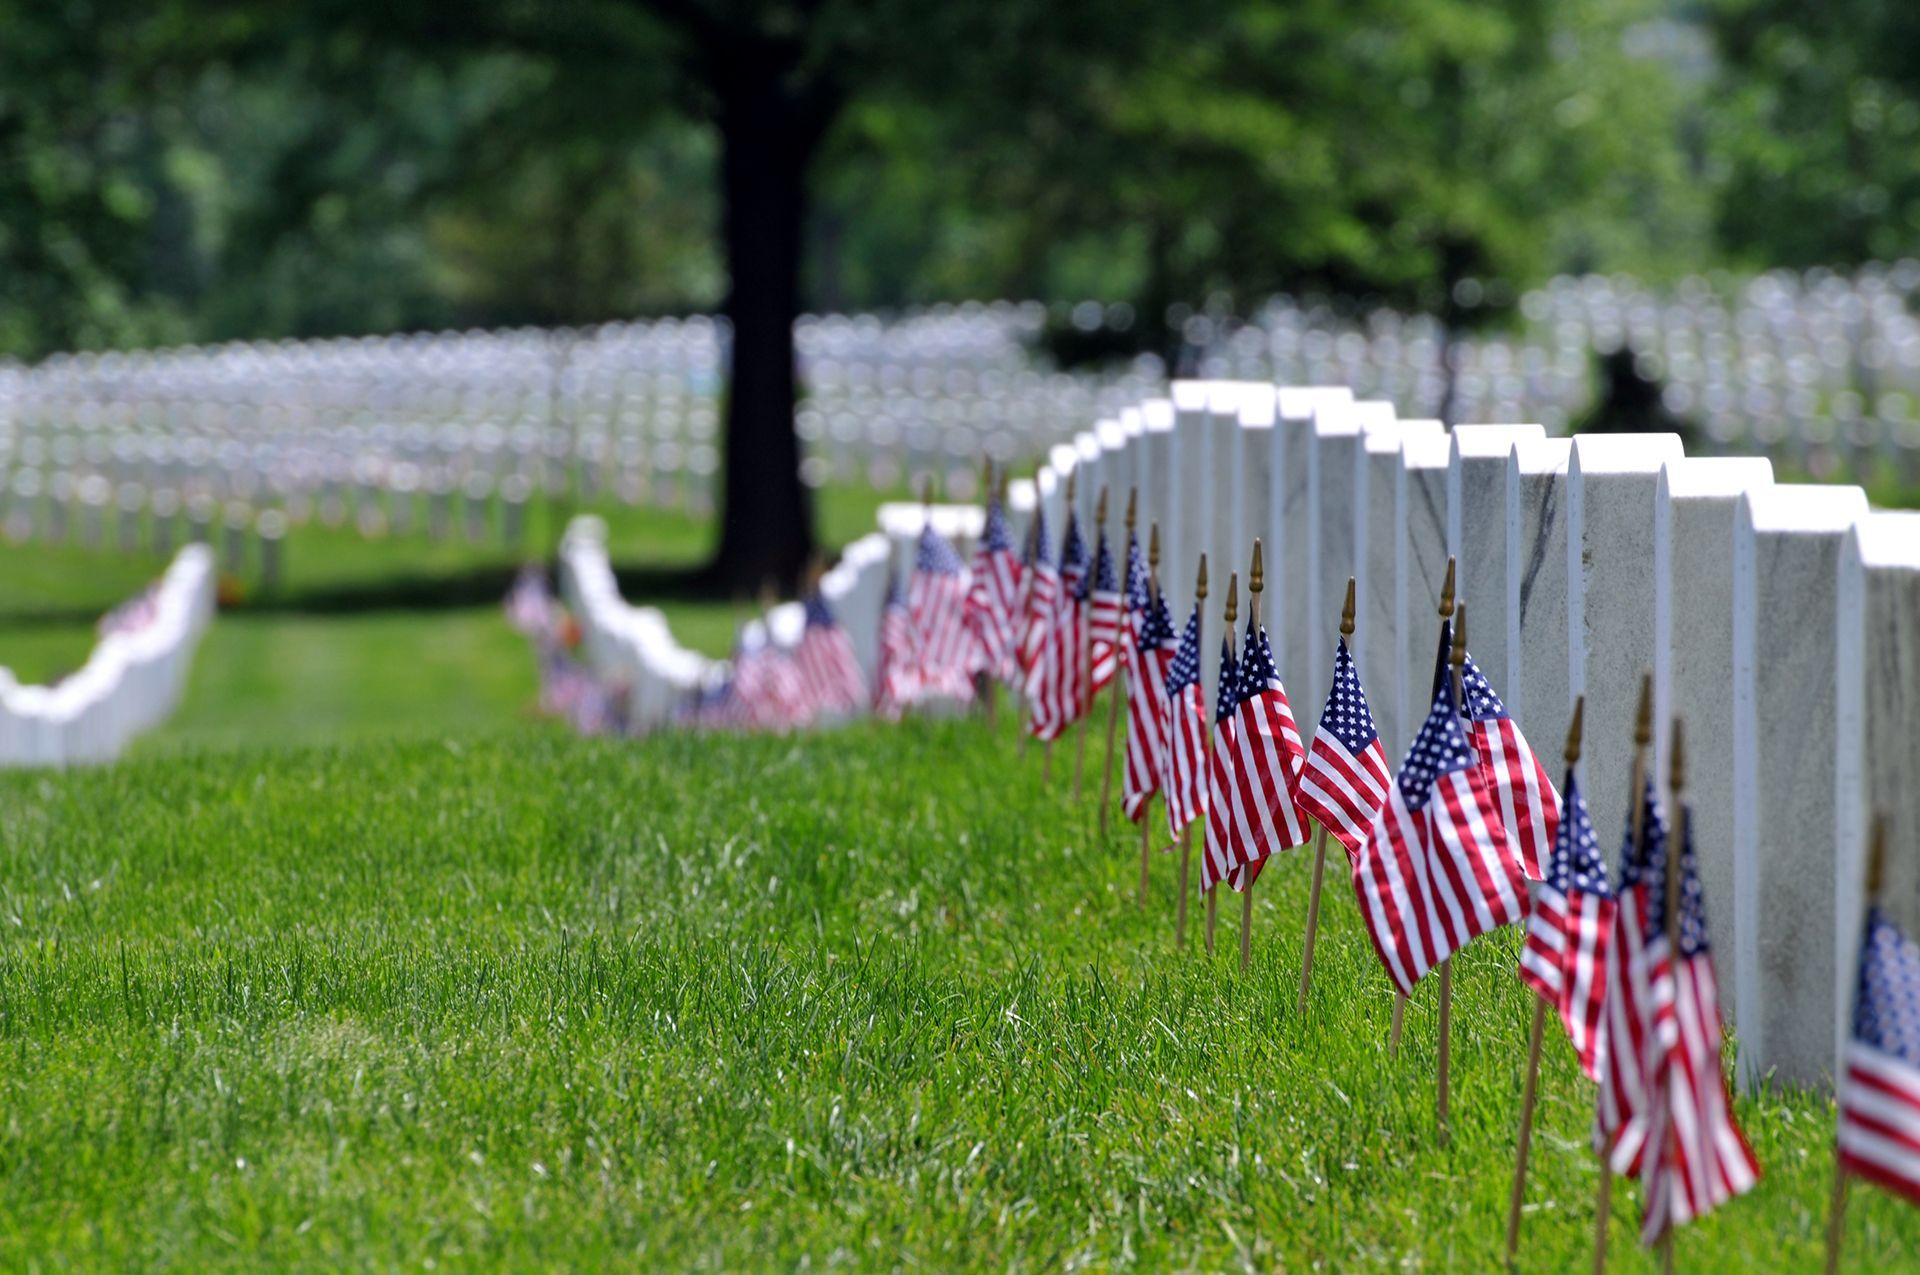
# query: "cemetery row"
[[454, 432], [1780, 622], [130, 682]]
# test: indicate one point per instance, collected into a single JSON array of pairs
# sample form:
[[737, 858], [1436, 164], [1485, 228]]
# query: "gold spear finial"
[[1233, 598], [1133, 507], [1200, 585], [1460, 635], [1877, 855], [1256, 578], [1643, 721], [1446, 591], [1573, 731], [1153, 547], [1346, 612]]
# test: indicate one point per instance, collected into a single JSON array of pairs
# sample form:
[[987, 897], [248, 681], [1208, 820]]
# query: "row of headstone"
[[130, 682], [1780, 622]]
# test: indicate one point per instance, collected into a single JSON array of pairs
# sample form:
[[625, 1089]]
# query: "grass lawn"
[[874, 1000]]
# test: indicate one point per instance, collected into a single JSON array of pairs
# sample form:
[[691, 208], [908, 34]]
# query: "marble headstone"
[[1377, 548], [1420, 563], [1335, 451], [1477, 536], [1289, 566], [1536, 691]]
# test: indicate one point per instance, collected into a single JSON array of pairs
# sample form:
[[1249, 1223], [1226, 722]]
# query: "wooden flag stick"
[[1837, 1207], [1642, 737], [1119, 680], [1084, 690], [1320, 848], [1400, 999], [1445, 1067], [1186, 838], [1233, 611], [1256, 581], [1528, 1093]]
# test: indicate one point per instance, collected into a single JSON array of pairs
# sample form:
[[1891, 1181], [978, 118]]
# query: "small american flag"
[[1217, 861], [1267, 760], [829, 671], [1529, 806], [1042, 581], [1344, 781], [1104, 606], [1620, 1117], [992, 597], [1148, 642], [1880, 1096], [937, 608], [1698, 1158], [766, 681], [1184, 778], [1565, 957], [1056, 688], [897, 679], [530, 606], [1434, 872]]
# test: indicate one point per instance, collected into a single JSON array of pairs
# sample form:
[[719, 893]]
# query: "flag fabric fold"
[[1344, 779], [937, 610], [1879, 1137], [1265, 816], [1621, 1113], [1564, 959], [1184, 777], [1529, 806], [1104, 608], [1217, 859], [896, 680], [993, 594], [1147, 647], [829, 671]]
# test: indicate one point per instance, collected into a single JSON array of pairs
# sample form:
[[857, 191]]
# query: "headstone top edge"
[[1492, 442], [1888, 538], [1156, 415], [1804, 507], [1426, 451], [1111, 434], [1191, 396], [1714, 477], [1298, 402], [1541, 455], [1624, 453], [1389, 439]]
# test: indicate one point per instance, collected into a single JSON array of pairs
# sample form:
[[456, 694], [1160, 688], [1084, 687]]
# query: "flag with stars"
[[1216, 859], [1104, 605], [1880, 1090], [1697, 1158], [993, 594], [937, 609], [1041, 581], [1344, 780], [1061, 669], [1620, 1115], [1529, 806], [1184, 779], [1266, 815], [1565, 956], [829, 671], [1434, 872], [896, 680], [1147, 643]]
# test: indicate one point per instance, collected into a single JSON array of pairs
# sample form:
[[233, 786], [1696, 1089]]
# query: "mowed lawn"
[[873, 999]]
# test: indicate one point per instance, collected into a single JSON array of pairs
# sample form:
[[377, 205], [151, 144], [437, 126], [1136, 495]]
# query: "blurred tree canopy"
[[174, 171]]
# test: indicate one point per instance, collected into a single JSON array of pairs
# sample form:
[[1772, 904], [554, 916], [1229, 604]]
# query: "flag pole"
[[1446, 614], [1320, 847], [1676, 849], [1445, 1069], [1186, 837], [1642, 737], [1119, 680], [1256, 581], [1083, 691], [1530, 1092], [1153, 598], [1837, 1207], [1046, 759], [1233, 611]]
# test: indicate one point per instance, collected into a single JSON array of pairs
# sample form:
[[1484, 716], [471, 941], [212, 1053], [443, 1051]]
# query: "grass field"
[[718, 1003]]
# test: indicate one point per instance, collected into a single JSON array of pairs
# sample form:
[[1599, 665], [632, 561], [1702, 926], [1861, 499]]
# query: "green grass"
[[728, 1003]]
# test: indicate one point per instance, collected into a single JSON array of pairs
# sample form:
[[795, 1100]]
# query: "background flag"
[[1880, 1092], [1344, 780], [1529, 807], [1217, 861], [1103, 622], [1619, 1127], [993, 594], [1148, 643], [1565, 957], [1184, 778], [1266, 816], [937, 609]]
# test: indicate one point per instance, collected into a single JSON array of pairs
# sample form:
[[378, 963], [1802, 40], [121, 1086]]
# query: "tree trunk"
[[769, 132]]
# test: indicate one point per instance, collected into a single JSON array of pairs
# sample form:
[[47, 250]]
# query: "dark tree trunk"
[[771, 120]]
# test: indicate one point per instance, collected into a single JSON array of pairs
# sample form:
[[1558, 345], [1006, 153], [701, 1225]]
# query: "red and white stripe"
[[1146, 673], [1185, 787], [896, 681], [936, 606], [1267, 760], [1217, 860], [1343, 793], [992, 597], [1564, 961], [1879, 1136], [1620, 1118], [1529, 804], [829, 671], [1104, 607]]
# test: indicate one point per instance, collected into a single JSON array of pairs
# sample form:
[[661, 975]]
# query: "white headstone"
[[1536, 691], [1421, 565], [1477, 536], [1289, 566]]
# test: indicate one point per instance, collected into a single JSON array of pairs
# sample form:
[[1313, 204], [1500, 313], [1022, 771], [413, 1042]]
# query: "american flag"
[[1565, 957], [1344, 781], [1435, 872], [829, 672], [1057, 686], [1698, 1158], [1880, 1096], [896, 683], [1217, 860], [937, 608], [993, 595], [1266, 815], [1184, 773], [1042, 581], [1148, 641], [1529, 806], [765, 679], [1620, 1116], [529, 604], [1103, 622]]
